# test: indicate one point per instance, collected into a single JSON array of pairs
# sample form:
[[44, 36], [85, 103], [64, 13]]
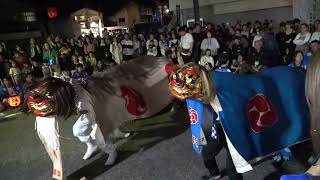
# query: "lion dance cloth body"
[[126, 92], [260, 114]]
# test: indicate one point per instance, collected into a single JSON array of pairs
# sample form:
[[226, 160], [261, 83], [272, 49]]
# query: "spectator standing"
[[35, 57], [186, 45], [316, 33], [236, 47], [116, 51], [88, 46], [210, 43], [286, 43], [143, 43], [79, 49], [102, 50], [197, 37], [127, 48], [136, 46], [270, 45], [245, 31], [50, 56], [302, 39]]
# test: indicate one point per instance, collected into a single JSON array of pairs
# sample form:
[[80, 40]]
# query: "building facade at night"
[[218, 11]]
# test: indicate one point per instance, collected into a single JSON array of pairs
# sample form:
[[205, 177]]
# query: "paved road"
[[160, 149]]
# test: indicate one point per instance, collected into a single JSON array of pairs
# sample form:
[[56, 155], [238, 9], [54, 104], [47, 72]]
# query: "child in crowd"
[[172, 54], [92, 59], [86, 65], [223, 63], [8, 89], [75, 62], [207, 60], [163, 44], [80, 74], [15, 74], [26, 69], [240, 66], [100, 66], [46, 70], [298, 62], [29, 80]]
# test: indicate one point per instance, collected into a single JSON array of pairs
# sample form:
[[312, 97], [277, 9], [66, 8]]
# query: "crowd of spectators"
[[241, 48]]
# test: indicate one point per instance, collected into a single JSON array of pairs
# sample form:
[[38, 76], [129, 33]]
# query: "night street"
[[159, 149]]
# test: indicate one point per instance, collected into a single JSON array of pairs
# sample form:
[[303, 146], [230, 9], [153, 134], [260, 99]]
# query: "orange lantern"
[[52, 12], [14, 101]]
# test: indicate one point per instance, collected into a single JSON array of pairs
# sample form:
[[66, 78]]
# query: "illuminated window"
[[29, 16]]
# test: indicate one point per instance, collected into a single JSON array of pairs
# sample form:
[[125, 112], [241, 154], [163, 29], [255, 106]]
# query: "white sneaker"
[[91, 150]]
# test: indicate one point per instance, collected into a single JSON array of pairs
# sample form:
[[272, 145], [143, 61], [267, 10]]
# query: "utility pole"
[[196, 11]]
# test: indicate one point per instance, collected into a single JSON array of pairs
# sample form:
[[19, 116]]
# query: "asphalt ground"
[[158, 149]]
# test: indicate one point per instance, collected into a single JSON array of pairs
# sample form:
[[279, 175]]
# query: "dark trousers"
[[127, 57], [214, 146], [186, 59]]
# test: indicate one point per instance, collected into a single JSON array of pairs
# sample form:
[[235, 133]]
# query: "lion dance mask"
[[186, 82]]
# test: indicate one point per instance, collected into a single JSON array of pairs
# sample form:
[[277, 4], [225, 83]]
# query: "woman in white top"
[[316, 34], [116, 51], [257, 37], [152, 50], [210, 43], [207, 60], [302, 39]]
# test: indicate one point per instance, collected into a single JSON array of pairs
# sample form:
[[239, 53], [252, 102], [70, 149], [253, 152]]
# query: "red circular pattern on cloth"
[[135, 103], [193, 115], [261, 113]]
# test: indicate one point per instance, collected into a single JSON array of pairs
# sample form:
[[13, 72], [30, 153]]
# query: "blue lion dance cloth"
[[261, 114]]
